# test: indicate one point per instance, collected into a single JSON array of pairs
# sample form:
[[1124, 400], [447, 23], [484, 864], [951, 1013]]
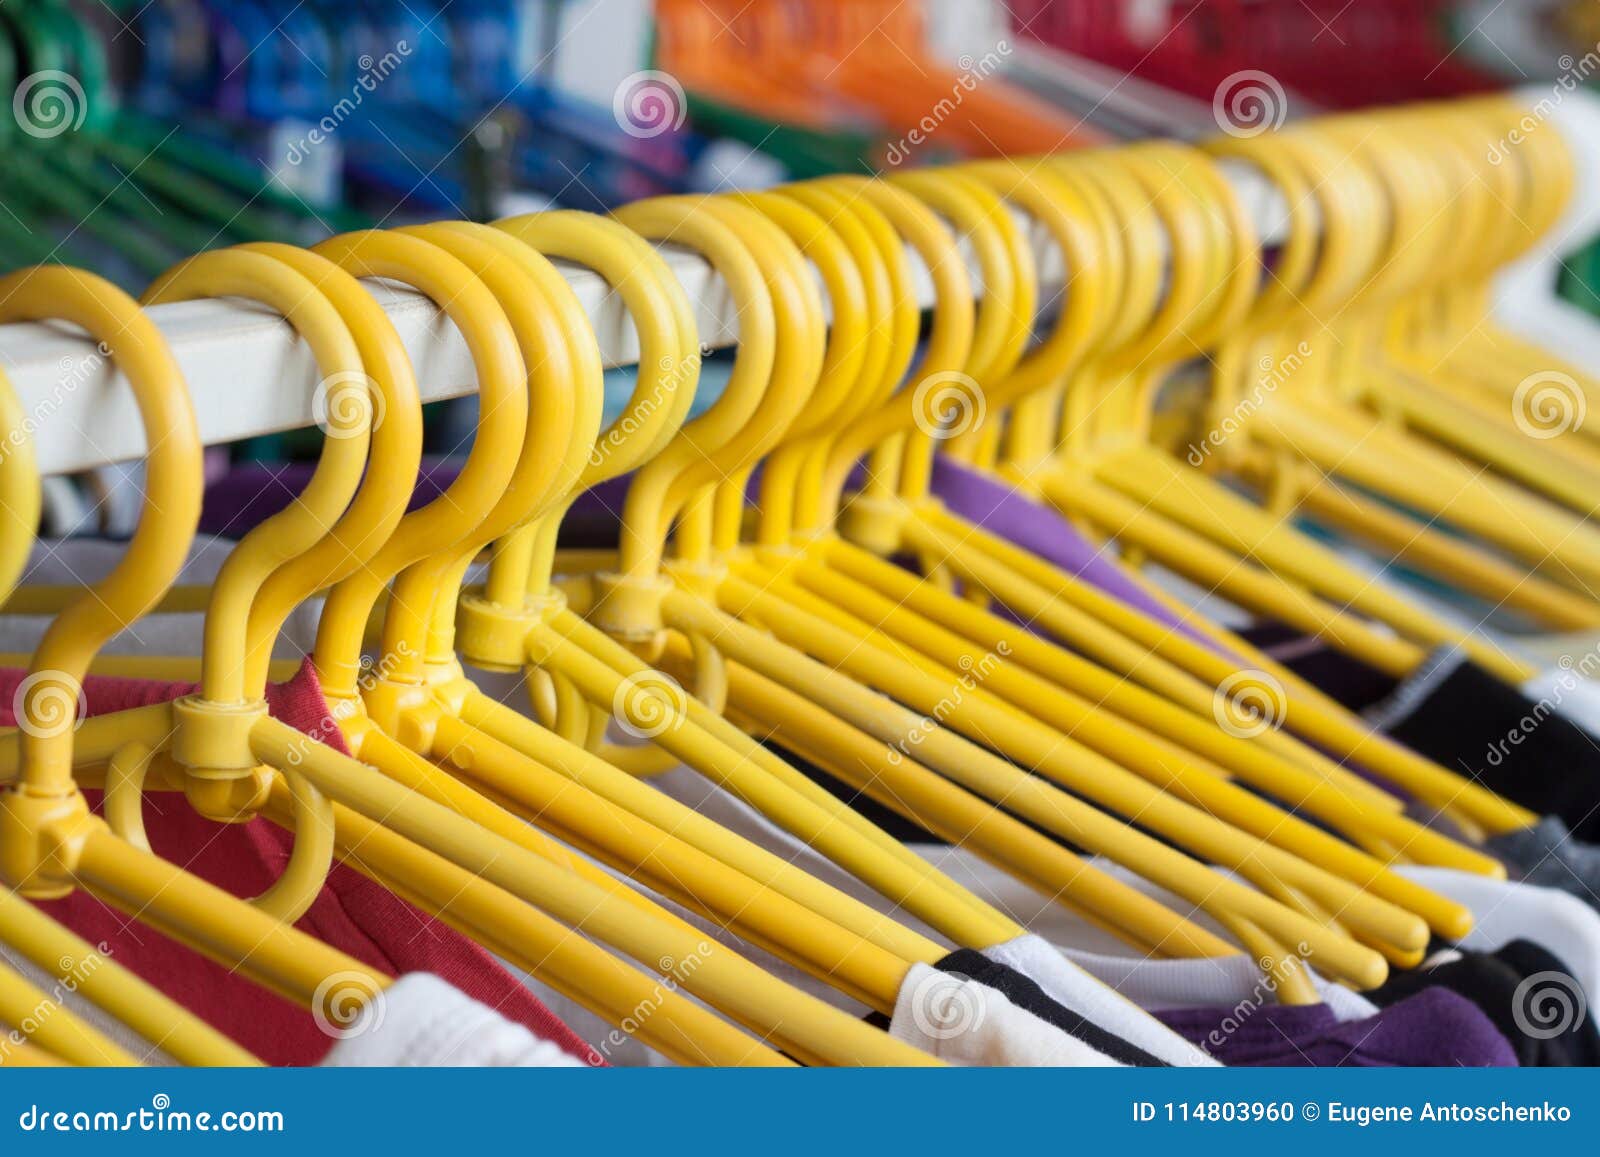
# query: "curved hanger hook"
[[1003, 321], [303, 523], [648, 508], [856, 282], [801, 330], [662, 316], [950, 340], [160, 543], [20, 490], [663, 319], [392, 463], [503, 394], [511, 567], [898, 328], [546, 335], [1066, 211]]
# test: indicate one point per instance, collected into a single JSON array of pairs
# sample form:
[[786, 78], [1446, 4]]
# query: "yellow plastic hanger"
[[737, 642], [734, 759], [692, 876], [1493, 359], [1363, 449], [1112, 633], [537, 943], [807, 1028], [1229, 749], [61, 1037], [1448, 396], [367, 793], [1386, 528], [785, 778], [855, 756], [1163, 486], [49, 842], [767, 613]]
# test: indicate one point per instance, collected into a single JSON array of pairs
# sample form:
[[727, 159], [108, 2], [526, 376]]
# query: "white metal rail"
[[248, 375]]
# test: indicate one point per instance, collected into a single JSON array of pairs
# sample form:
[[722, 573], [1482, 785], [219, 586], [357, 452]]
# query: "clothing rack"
[[249, 376]]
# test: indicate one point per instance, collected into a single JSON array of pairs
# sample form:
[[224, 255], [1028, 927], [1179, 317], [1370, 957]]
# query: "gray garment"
[[1549, 855]]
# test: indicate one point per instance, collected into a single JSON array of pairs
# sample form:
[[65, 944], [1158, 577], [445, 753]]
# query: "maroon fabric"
[[353, 914]]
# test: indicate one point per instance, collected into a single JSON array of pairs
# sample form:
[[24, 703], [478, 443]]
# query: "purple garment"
[[1434, 1028], [252, 492], [1009, 514]]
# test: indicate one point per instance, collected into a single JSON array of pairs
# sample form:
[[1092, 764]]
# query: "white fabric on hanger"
[[1507, 910], [421, 1021], [963, 1022], [57, 990], [1569, 694], [695, 791], [1087, 995], [1151, 984], [1228, 981]]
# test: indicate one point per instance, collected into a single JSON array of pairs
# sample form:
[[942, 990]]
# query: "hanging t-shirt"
[[1526, 991], [1548, 855], [1235, 981], [963, 1022], [422, 1022], [1436, 1027], [1462, 717], [1506, 910], [1100, 1003], [1024, 993]]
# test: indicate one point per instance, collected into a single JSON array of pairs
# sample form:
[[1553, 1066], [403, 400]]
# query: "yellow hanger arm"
[[656, 1014], [964, 819], [960, 699], [997, 778], [810, 1029]]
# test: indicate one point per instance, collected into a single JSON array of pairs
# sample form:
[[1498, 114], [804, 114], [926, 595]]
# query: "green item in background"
[[1579, 281], [116, 190], [804, 152]]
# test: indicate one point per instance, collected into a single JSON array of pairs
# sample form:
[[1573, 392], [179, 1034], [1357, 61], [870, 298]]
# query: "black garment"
[[1349, 682], [1025, 994], [1461, 716], [1495, 983], [902, 829]]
